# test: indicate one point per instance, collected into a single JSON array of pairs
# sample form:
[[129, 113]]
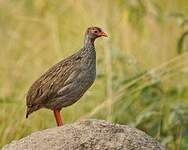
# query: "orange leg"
[[57, 116]]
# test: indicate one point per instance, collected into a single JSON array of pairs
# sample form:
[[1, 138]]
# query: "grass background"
[[142, 67]]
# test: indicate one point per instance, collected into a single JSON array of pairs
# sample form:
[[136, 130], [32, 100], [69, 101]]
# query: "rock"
[[87, 135]]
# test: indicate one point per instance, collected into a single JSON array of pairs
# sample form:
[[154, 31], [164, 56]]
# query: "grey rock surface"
[[87, 135]]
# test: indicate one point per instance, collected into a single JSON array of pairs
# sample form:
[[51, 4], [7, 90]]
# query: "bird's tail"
[[27, 114], [28, 111], [31, 109]]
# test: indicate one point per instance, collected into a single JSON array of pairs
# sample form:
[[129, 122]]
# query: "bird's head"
[[95, 32]]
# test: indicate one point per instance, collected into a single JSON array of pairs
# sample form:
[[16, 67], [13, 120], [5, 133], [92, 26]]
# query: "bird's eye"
[[95, 31]]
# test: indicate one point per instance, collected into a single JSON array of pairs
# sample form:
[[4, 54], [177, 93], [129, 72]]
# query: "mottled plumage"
[[65, 82]]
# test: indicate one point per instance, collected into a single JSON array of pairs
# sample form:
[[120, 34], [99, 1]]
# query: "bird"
[[66, 82]]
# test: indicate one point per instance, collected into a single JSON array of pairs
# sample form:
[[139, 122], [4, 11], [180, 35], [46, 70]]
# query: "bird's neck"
[[88, 42]]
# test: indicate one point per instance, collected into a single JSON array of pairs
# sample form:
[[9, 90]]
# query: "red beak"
[[102, 34]]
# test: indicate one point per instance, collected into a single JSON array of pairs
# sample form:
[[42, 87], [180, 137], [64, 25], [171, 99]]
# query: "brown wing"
[[47, 86]]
